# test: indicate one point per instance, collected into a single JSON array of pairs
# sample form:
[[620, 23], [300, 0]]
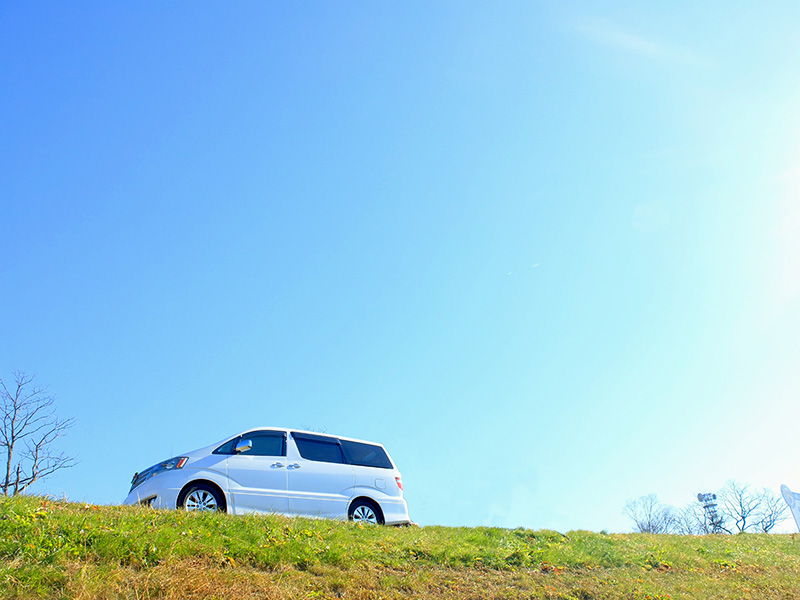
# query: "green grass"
[[51, 549]]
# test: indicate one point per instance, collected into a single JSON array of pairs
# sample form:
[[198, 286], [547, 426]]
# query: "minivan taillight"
[[399, 483]]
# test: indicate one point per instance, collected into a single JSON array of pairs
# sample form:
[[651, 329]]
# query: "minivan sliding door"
[[320, 483]]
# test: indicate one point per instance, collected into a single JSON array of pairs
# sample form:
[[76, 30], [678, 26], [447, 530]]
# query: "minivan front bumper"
[[160, 491]]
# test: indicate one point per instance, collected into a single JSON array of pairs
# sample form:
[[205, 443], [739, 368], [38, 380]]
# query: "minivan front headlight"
[[165, 465]]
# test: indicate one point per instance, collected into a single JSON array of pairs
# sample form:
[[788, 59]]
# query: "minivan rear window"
[[318, 450], [366, 455]]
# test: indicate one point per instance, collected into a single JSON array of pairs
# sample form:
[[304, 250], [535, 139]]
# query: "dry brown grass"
[[195, 579]]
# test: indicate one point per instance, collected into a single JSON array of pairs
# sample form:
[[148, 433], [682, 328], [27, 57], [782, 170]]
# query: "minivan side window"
[[366, 455], [318, 449], [265, 443]]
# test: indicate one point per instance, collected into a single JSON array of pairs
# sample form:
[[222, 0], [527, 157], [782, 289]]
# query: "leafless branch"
[[740, 504], [691, 520], [771, 510], [28, 428], [650, 516]]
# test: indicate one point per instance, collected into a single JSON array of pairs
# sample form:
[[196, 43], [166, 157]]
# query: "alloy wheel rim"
[[201, 500], [364, 514]]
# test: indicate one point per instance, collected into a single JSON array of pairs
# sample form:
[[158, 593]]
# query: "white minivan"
[[274, 470]]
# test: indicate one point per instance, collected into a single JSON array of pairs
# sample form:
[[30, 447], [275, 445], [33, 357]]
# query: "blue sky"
[[548, 253]]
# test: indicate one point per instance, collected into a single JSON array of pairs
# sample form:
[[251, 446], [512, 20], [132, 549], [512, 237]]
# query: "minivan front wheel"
[[202, 498], [363, 511]]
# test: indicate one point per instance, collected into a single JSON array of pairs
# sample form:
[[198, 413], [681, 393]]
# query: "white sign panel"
[[793, 500]]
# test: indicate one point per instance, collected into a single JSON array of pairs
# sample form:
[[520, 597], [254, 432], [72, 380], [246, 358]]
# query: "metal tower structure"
[[713, 522]]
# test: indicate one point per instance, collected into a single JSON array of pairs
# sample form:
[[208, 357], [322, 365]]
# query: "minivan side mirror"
[[243, 446]]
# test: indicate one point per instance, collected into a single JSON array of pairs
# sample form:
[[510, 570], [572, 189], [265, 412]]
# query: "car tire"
[[365, 512], [202, 498]]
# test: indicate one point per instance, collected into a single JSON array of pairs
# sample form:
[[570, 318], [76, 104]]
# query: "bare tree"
[[28, 429], [771, 510], [691, 520], [650, 516], [740, 504]]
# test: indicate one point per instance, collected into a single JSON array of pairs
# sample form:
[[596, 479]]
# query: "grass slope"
[[51, 549]]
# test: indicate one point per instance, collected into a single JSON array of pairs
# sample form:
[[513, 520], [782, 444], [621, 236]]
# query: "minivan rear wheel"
[[202, 498], [364, 511]]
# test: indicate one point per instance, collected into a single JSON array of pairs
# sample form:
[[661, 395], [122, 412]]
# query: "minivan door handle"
[[276, 465], [294, 466]]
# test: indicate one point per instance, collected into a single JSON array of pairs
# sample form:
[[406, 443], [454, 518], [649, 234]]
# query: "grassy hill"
[[52, 549]]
